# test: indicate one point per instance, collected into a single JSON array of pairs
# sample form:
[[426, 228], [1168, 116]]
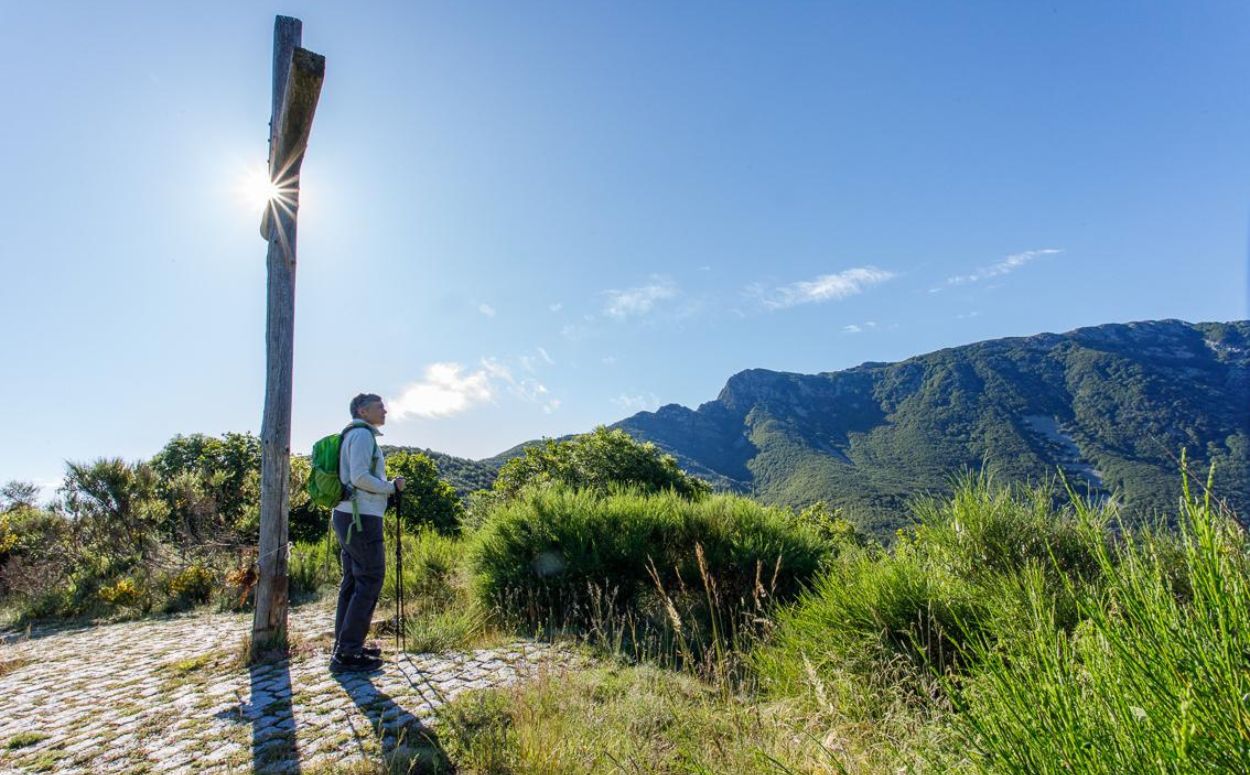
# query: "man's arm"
[[359, 443]]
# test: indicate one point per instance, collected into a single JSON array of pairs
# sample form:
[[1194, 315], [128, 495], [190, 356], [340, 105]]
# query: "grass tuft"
[[24, 740]]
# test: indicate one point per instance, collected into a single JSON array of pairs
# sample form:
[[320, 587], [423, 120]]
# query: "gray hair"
[[360, 401]]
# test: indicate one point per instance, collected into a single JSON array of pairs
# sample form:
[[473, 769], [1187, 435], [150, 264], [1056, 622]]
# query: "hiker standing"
[[357, 522]]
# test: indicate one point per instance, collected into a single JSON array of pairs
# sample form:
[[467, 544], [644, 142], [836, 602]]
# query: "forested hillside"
[[1110, 406], [461, 473]]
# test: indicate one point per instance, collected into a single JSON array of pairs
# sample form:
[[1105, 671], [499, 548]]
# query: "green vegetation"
[[613, 719], [25, 739], [1002, 634], [210, 485], [427, 499], [1004, 630], [560, 557], [1109, 406], [129, 539], [465, 476], [596, 461], [1154, 677]]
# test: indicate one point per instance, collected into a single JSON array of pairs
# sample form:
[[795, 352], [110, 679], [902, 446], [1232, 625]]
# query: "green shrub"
[[831, 525], [116, 510], [33, 553], [127, 593], [868, 612], [559, 557], [192, 585]]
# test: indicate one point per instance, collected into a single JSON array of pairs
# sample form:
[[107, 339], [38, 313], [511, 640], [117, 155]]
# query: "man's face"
[[374, 413]]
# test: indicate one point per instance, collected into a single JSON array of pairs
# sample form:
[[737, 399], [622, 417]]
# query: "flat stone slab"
[[171, 695]]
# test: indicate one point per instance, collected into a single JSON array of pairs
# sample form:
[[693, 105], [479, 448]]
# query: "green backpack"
[[324, 486]]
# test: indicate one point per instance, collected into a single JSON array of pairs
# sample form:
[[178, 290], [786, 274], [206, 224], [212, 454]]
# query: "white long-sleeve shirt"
[[355, 456]]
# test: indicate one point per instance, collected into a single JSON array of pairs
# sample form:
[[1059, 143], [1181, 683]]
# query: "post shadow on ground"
[[269, 711], [407, 744], [274, 747]]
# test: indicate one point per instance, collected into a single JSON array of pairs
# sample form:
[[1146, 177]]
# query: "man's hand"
[[399, 484]]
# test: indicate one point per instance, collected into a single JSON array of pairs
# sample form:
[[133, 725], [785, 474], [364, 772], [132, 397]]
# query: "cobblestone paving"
[[170, 696]]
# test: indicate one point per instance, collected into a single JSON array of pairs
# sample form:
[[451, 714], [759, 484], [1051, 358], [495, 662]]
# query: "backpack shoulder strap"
[[355, 523], [377, 451]]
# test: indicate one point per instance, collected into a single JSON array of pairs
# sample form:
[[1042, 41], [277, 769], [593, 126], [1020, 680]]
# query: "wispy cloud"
[[637, 403], [859, 328], [524, 388], [826, 287], [556, 307], [634, 302], [528, 389], [1006, 266], [486, 310], [551, 406], [445, 389], [531, 363]]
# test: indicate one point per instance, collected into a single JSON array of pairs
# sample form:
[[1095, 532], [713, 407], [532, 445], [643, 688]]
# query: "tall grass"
[[440, 610], [1156, 678], [916, 608], [314, 565], [431, 563]]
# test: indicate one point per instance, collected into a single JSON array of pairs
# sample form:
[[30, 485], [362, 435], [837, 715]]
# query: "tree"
[[211, 483], [33, 553], [427, 499], [18, 495], [116, 508], [597, 461]]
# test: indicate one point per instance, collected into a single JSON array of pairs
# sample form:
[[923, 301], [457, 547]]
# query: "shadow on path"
[[407, 744], [274, 749]]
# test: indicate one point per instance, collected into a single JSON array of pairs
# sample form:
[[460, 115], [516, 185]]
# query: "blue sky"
[[525, 219]]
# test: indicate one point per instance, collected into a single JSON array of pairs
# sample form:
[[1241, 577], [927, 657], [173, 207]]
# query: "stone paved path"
[[170, 696]]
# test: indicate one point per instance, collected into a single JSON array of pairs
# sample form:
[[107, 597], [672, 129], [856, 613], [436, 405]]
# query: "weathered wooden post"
[[297, 77]]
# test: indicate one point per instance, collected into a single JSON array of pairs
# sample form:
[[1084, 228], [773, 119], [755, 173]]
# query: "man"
[[357, 522]]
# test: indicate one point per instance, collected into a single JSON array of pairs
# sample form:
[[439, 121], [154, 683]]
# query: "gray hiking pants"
[[364, 566]]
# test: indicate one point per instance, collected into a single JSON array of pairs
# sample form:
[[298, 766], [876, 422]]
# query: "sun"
[[258, 192]]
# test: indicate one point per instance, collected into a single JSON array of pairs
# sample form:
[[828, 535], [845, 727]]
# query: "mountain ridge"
[[1109, 406]]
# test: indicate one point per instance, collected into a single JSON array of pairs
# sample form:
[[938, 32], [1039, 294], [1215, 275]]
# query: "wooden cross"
[[297, 77]]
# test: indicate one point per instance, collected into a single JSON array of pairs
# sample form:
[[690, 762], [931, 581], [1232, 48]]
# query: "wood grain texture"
[[297, 78]]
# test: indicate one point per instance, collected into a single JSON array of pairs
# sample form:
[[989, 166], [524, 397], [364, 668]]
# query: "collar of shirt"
[[359, 423]]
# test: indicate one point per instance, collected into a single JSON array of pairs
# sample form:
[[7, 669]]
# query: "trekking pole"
[[399, 574]]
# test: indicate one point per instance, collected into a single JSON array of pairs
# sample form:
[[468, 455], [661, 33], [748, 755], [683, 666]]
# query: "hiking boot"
[[354, 663]]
